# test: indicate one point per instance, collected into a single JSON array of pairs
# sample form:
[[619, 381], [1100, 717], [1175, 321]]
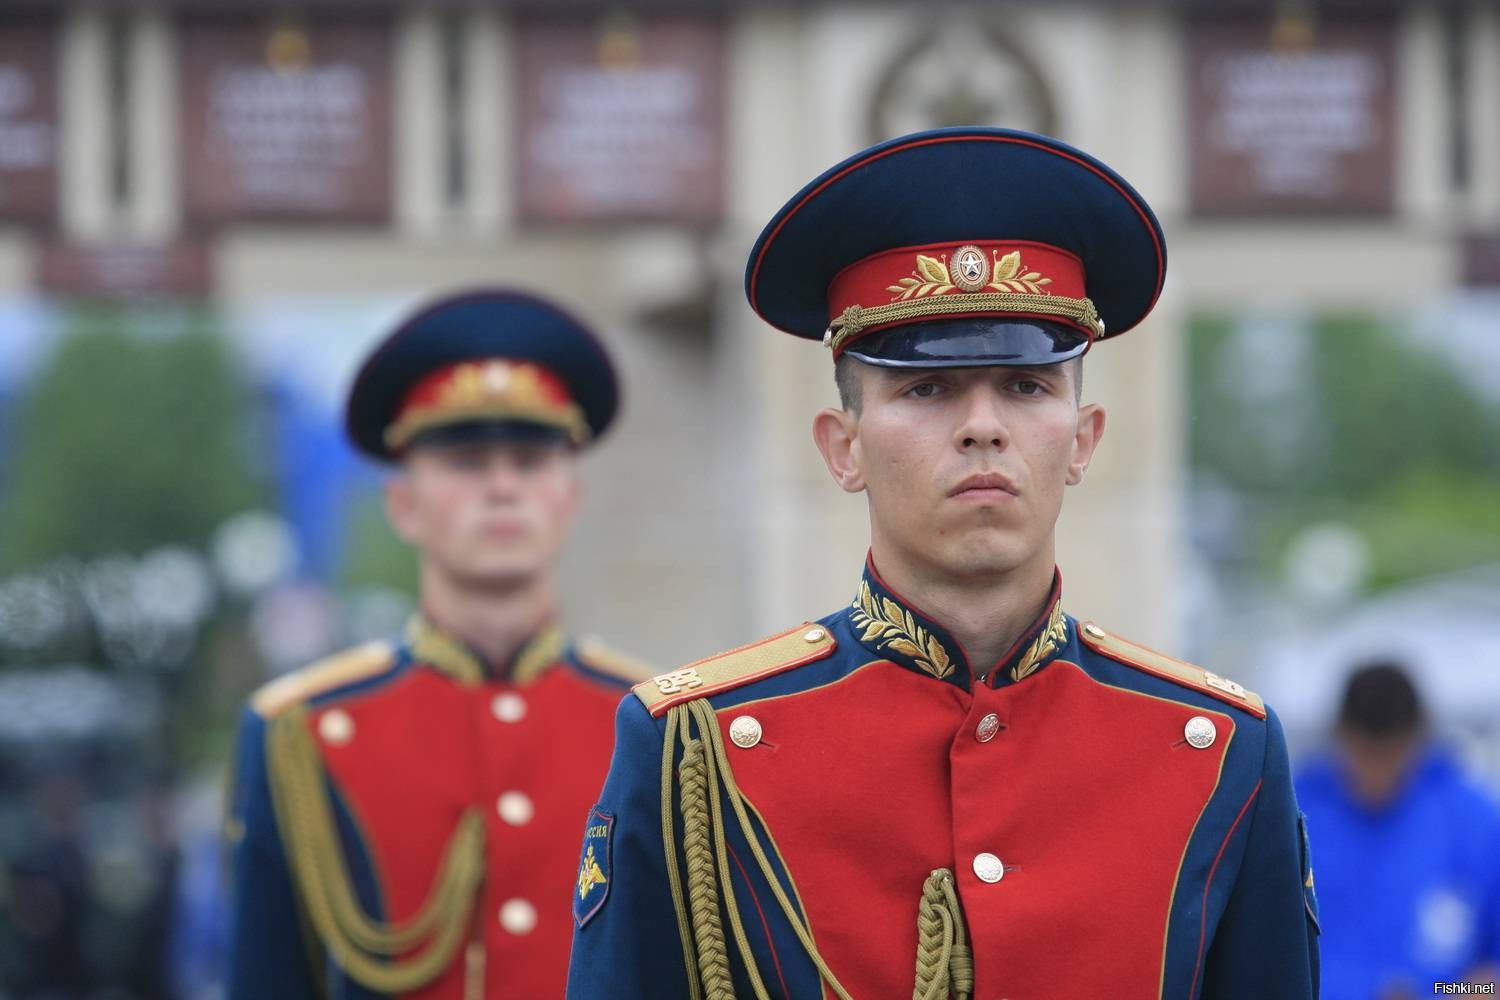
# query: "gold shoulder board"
[[337, 670], [611, 661], [1167, 668], [792, 648]]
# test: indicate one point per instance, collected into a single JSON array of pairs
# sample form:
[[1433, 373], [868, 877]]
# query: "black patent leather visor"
[[470, 432], [970, 343]]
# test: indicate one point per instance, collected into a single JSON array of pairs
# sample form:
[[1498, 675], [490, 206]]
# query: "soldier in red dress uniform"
[[951, 787], [404, 813]]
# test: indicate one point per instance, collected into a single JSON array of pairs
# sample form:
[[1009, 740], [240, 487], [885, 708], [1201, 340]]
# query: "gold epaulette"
[[1163, 666], [597, 656], [792, 648], [297, 687]]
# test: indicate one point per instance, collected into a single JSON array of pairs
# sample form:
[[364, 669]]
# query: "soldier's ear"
[[401, 508], [1085, 440], [836, 433], [577, 489]]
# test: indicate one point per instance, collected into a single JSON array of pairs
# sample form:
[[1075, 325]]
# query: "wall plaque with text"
[[286, 120], [125, 271], [28, 121], [1292, 129], [620, 121]]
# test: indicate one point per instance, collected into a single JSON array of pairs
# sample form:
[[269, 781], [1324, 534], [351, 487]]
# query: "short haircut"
[[846, 377], [1381, 702]]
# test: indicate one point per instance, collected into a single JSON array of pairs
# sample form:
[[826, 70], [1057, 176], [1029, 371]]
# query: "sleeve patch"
[[592, 886]]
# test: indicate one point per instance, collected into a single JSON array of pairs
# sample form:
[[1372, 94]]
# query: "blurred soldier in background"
[[950, 787], [1408, 850], [404, 817]]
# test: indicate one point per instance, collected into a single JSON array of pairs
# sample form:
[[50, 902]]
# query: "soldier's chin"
[[499, 575], [983, 555]]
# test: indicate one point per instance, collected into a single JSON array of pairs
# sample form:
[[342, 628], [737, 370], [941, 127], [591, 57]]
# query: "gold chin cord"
[[854, 320], [705, 782], [371, 952]]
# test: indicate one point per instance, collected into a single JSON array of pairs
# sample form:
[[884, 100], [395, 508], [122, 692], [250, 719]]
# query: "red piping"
[[1208, 884]]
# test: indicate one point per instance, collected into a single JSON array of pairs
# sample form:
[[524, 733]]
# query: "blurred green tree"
[[133, 435], [1344, 418], [376, 557]]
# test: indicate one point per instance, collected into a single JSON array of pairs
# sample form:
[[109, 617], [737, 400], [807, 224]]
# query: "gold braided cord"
[[857, 318], [299, 770], [703, 890], [569, 418], [669, 850], [365, 948], [702, 813], [708, 725], [945, 963], [474, 971], [726, 877]]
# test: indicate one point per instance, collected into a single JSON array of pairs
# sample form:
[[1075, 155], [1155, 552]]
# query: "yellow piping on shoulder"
[[300, 686], [1166, 667], [608, 660], [792, 648]]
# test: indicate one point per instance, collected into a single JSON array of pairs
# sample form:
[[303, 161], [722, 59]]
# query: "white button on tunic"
[[518, 916]]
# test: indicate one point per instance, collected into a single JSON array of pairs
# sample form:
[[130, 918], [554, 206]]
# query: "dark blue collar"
[[891, 627]]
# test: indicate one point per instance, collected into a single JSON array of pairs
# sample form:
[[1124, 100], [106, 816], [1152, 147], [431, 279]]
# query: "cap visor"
[[970, 343], [488, 432]]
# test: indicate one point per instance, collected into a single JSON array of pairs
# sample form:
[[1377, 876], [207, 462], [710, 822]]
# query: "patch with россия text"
[[592, 887]]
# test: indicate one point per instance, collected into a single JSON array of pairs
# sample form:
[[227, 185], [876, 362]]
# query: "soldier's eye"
[[1028, 387], [923, 390], [465, 460], [530, 459]]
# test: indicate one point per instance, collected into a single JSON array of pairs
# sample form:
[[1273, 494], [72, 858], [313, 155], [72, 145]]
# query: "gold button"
[[518, 916], [987, 728], [1200, 732], [814, 635], [336, 727], [515, 808], [508, 707], [1094, 630], [988, 867], [745, 731]]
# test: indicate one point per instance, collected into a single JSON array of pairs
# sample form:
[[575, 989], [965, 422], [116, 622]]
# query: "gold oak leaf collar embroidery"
[[887, 626], [440, 649]]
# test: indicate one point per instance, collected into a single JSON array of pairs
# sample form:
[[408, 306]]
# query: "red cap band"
[[492, 389], [943, 280]]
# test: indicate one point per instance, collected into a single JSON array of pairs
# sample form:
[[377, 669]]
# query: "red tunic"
[[409, 740]]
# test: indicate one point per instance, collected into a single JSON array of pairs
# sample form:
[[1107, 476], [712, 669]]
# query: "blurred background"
[[209, 211]]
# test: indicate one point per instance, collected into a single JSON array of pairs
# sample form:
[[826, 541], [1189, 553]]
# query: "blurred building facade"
[[312, 170]]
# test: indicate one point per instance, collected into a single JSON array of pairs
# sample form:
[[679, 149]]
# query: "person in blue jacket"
[[1408, 850]]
